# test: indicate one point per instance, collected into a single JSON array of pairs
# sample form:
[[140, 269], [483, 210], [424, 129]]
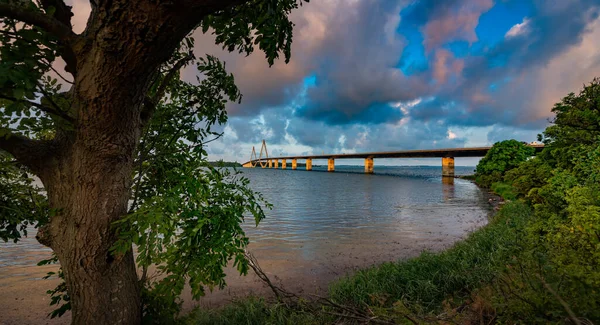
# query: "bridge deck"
[[426, 153]]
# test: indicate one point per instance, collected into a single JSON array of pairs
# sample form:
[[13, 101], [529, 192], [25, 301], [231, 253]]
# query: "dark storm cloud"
[[375, 113], [414, 135]]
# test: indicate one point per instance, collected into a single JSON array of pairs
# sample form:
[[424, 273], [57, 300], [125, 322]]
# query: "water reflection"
[[448, 188]]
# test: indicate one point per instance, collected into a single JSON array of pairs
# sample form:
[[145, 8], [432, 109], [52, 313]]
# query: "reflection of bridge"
[[447, 156]]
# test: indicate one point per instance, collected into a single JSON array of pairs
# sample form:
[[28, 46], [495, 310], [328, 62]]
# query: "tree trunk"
[[103, 287], [89, 186], [89, 180], [103, 296]]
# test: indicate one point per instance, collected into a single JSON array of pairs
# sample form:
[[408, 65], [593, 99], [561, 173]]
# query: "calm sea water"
[[317, 210], [320, 210]]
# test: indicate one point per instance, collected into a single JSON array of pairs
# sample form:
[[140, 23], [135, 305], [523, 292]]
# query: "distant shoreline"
[[221, 163]]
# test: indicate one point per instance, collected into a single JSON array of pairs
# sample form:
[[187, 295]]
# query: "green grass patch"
[[423, 283], [506, 191], [257, 311]]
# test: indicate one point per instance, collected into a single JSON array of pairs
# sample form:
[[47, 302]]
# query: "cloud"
[[518, 29], [516, 82], [454, 22], [356, 72], [451, 135], [445, 65]]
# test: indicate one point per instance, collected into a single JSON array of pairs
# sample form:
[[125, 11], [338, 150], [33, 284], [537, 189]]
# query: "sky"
[[375, 75]]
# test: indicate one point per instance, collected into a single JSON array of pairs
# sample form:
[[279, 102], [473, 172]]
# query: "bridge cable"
[[264, 146], [253, 157]]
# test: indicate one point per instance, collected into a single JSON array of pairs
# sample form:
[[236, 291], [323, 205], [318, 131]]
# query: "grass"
[[257, 311], [506, 191]]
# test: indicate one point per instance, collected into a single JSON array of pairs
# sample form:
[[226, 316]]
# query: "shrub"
[[502, 157]]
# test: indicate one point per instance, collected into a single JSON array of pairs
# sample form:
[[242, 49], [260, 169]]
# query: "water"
[[323, 226], [319, 216]]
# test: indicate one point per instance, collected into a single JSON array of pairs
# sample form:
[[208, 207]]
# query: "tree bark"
[[88, 185], [88, 180]]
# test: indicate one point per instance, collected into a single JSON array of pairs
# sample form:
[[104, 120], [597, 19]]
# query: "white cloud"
[[451, 135], [518, 29], [407, 105]]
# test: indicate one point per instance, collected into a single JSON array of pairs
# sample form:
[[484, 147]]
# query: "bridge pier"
[[276, 163], [448, 167], [270, 163], [330, 165], [283, 163], [369, 165], [294, 164], [308, 164]]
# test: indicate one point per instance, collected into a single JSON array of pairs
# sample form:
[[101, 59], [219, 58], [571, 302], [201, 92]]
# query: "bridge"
[[447, 156]]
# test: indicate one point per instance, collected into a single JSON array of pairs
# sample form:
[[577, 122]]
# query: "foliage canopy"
[[502, 157]]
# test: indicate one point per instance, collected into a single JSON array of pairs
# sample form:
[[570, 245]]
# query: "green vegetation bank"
[[221, 163]]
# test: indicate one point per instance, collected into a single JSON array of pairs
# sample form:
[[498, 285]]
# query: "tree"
[[502, 157], [562, 185], [120, 153]]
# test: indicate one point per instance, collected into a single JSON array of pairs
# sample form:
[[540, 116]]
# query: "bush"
[[502, 157], [562, 251], [530, 174]]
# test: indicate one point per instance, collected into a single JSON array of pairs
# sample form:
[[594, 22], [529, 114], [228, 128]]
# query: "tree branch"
[[41, 107], [57, 108], [49, 24], [211, 6], [62, 13], [160, 92], [150, 103], [59, 26], [24, 149]]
